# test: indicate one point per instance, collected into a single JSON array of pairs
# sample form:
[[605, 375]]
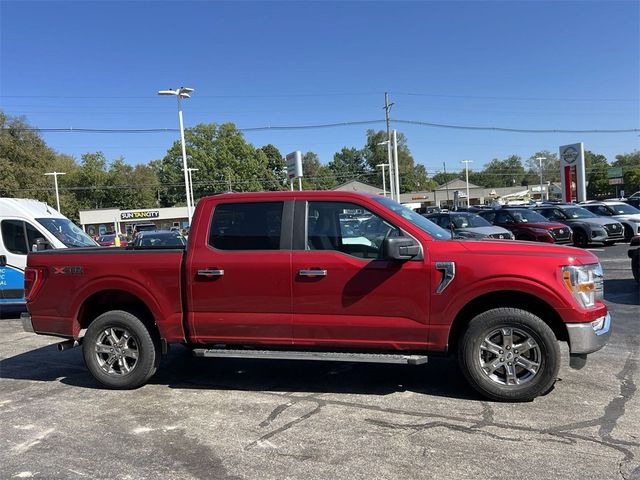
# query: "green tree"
[[276, 165], [596, 168], [412, 177], [501, 173], [550, 168], [348, 164], [224, 161], [316, 175], [630, 163]]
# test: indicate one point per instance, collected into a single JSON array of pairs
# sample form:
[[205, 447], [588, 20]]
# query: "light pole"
[[180, 93], [191, 170], [390, 164], [540, 159], [384, 180], [466, 164], [55, 181]]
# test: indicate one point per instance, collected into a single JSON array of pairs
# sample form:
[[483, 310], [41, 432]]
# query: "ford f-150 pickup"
[[282, 275]]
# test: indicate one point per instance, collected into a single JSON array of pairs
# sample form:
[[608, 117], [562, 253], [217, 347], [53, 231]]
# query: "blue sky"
[[561, 65]]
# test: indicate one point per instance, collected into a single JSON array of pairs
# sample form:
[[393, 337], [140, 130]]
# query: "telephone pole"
[[466, 167], [387, 111]]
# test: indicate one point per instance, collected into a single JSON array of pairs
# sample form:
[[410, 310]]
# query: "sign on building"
[[140, 215]]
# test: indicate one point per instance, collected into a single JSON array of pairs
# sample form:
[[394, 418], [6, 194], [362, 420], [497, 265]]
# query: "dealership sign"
[[294, 165], [140, 215]]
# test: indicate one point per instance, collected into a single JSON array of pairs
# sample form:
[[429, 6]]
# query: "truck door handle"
[[210, 273], [312, 273]]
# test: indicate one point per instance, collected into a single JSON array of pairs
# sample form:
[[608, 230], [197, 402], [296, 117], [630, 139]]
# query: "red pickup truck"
[[292, 275]]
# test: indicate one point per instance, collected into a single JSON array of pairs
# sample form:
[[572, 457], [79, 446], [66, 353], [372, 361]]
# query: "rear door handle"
[[210, 273], [312, 273]]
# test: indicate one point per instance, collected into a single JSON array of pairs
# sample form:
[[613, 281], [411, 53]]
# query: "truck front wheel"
[[508, 354], [119, 350]]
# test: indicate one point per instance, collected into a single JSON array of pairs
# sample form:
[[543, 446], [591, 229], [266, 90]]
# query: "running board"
[[318, 356]]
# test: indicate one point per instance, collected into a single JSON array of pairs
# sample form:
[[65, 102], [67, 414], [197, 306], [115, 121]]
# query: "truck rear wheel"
[[508, 354], [119, 350]]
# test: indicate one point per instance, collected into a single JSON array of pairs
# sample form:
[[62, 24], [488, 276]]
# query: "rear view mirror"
[[400, 248]]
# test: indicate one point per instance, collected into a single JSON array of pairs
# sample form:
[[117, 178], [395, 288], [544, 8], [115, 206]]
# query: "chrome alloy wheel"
[[116, 351], [510, 356]]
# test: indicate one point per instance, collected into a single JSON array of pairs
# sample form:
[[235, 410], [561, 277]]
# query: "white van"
[[25, 224]]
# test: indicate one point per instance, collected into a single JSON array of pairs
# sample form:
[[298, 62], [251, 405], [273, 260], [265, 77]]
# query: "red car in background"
[[110, 240]]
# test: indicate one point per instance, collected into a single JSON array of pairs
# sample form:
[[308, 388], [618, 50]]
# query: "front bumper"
[[583, 338], [27, 325]]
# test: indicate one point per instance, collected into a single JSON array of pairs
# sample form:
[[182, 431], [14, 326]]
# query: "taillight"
[[33, 278]]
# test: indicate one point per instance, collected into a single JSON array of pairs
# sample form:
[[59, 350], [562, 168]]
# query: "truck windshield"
[[418, 220], [68, 233]]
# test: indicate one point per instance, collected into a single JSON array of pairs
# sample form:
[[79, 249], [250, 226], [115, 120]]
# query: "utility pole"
[[466, 164], [55, 181], [387, 113]]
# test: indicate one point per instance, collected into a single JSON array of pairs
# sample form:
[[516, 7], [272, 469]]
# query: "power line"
[[545, 99], [514, 130], [330, 125]]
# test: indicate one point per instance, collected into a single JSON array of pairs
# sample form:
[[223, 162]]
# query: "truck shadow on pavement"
[[440, 377]]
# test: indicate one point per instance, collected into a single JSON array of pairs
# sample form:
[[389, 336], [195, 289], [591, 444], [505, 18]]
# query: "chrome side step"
[[318, 356]]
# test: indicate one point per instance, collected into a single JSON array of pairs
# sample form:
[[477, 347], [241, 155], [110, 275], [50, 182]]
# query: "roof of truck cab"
[[294, 194], [27, 208]]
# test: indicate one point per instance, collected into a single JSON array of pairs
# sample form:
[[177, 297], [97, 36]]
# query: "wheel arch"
[[115, 299], [502, 299]]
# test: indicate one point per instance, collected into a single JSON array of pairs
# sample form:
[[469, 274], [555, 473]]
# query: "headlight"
[[584, 282]]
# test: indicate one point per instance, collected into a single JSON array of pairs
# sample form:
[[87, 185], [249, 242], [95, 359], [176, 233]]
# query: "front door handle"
[[313, 273], [210, 273]]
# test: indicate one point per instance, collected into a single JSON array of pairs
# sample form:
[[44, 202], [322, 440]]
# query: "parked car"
[[159, 239], [627, 215], [587, 227], [469, 225], [144, 227], [109, 240], [633, 200], [634, 255], [268, 275], [525, 224]]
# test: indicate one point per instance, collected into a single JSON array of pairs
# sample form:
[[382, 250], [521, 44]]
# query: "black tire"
[[109, 352], [523, 384], [580, 239], [628, 233], [635, 265]]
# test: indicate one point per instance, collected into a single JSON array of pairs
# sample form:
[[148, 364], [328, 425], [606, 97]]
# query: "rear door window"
[[246, 226]]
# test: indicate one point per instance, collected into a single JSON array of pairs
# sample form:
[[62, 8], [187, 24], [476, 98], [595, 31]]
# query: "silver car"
[[469, 225]]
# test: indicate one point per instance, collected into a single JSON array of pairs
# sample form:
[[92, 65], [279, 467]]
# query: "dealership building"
[[101, 221]]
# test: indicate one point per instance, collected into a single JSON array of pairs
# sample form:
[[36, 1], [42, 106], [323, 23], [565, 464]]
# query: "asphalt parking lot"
[[207, 418]]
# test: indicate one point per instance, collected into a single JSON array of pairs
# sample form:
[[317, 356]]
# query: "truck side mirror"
[[400, 248], [40, 245]]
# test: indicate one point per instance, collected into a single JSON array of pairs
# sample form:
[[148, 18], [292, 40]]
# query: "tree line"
[[227, 162]]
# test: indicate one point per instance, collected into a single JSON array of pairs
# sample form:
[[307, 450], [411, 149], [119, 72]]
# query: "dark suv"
[[587, 227], [525, 224]]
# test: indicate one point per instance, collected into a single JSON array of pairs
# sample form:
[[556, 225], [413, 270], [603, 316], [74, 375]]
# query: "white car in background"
[[627, 215]]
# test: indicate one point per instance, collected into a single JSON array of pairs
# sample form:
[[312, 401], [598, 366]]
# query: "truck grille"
[[561, 235]]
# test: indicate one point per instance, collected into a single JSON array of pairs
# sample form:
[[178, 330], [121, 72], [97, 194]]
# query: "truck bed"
[[100, 277]]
